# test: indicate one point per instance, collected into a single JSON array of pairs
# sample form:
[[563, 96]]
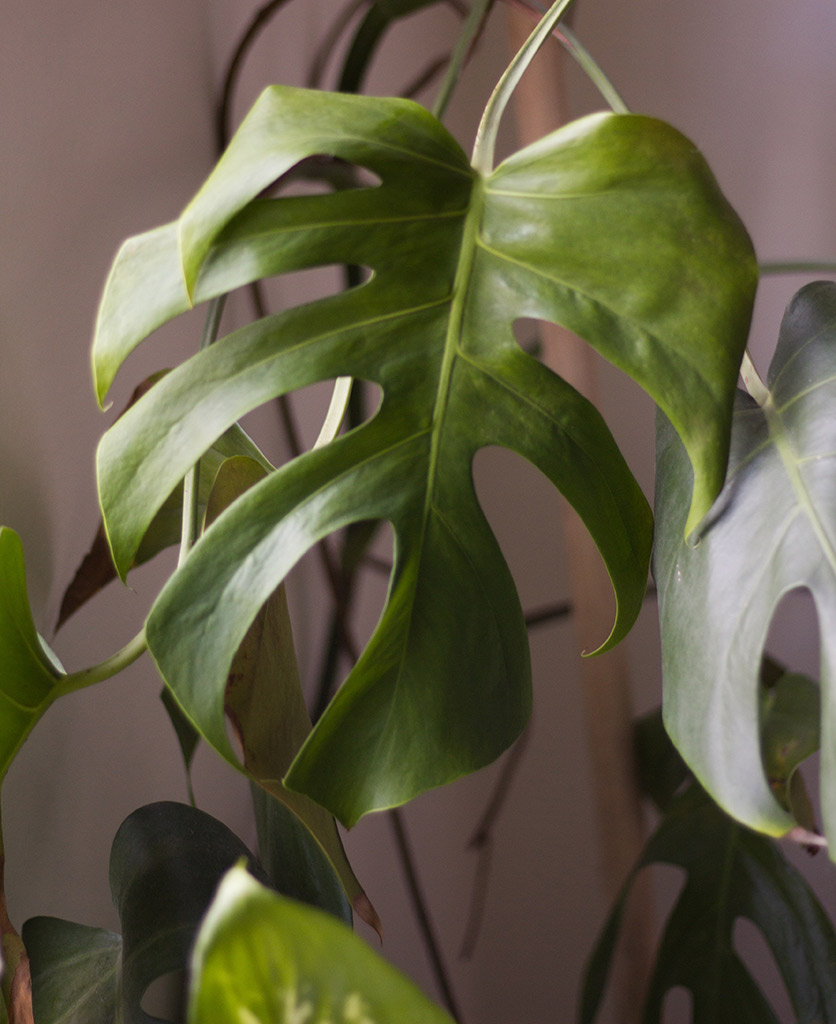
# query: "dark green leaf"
[[772, 529], [376, 22], [187, 736], [75, 972], [165, 865], [28, 671], [731, 873], [263, 959], [263, 700], [584, 228], [661, 769], [296, 865]]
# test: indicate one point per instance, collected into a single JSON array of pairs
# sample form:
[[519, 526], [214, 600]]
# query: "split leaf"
[[262, 698], [584, 228], [97, 569], [731, 873], [165, 865], [772, 530]]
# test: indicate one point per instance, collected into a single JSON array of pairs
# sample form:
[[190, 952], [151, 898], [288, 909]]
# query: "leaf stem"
[[797, 267], [419, 905], [329, 42], [191, 482], [471, 30], [485, 145], [105, 669], [575, 48], [258, 23], [336, 411], [591, 69], [753, 380]]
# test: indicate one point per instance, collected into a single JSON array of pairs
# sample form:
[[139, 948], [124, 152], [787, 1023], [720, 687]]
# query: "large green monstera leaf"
[[612, 226], [773, 530]]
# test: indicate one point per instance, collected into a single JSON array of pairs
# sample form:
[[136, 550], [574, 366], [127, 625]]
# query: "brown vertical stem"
[[17, 981], [541, 106]]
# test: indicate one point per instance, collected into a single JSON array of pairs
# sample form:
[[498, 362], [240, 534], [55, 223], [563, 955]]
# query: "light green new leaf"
[[773, 529], [28, 672], [732, 873], [585, 228], [266, 960]]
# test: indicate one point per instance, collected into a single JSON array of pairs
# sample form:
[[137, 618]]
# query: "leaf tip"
[[366, 912]]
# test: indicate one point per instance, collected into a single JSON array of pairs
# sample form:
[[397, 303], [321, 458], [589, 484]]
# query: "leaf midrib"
[[790, 461], [458, 304], [461, 287]]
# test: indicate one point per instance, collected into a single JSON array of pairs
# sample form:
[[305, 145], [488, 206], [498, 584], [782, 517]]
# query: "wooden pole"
[[541, 106]]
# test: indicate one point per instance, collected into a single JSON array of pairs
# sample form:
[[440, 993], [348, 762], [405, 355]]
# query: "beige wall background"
[[105, 129]]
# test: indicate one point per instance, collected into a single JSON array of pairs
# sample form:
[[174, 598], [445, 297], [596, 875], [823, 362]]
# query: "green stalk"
[[104, 670], [485, 145], [590, 67], [798, 267], [336, 411], [592, 70], [470, 30], [191, 481]]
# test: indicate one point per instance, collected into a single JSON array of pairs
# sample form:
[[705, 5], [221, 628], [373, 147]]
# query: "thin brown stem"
[[424, 78], [419, 906], [256, 26], [548, 613], [17, 980], [482, 842], [329, 41]]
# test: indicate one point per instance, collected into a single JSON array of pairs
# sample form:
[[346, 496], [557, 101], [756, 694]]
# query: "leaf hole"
[[365, 549], [752, 948], [668, 882], [678, 1006], [165, 997], [528, 333], [521, 503], [288, 290], [307, 408], [322, 175], [793, 635]]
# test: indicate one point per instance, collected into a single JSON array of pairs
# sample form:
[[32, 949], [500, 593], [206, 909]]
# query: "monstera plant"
[[612, 226]]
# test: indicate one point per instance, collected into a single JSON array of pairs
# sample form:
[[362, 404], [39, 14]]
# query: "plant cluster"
[[612, 226]]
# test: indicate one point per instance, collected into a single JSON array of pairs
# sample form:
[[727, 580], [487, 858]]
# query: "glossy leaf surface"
[[731, 873], [584, 228], [28, 674], [97, 568], [262, 698], [773, 529], [263, 959]]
